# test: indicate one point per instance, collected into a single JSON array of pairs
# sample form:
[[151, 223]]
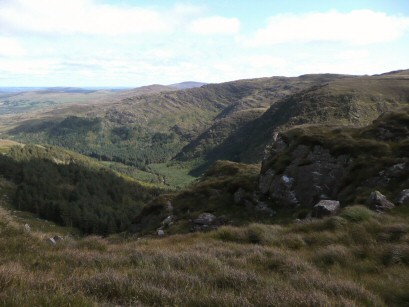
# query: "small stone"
[[161, 233], [27, 228], [51, 241], [378, 202], [326, 208]]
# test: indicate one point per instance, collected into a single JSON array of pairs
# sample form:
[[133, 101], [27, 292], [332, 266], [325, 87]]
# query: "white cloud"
[[360, 27], [263, 61], [28, 67], [11, 47], [78, 17], [352, 55], [215, 25], [187, 9]]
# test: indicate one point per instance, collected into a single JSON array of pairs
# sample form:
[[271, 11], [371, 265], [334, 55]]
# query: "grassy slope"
[[6, 144], [356, 259], [212, 193], [261, 95], [354, 101]]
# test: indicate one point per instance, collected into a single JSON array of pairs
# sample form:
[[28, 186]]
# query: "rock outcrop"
[[378, 202], [168, 221], [326, 208], [313, 174], [311, 163], [251, 202]]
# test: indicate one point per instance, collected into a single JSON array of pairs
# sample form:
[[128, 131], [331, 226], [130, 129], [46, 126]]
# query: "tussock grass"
[[356, 213], [336, 261]]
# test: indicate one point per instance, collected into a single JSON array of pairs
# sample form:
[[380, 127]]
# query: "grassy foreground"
[[355, 259]]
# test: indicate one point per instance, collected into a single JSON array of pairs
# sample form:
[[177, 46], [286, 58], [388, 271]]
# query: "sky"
[[130, 43]]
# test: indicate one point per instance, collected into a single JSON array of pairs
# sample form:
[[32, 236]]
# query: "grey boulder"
[[378, 202], [326, 208]]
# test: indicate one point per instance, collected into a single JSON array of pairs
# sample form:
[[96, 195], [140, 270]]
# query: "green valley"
[[287, 190]]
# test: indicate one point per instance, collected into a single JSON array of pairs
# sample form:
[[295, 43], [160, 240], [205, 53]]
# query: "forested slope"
[[72, 190]]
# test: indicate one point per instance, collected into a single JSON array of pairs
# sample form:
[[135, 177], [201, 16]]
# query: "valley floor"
[[355, 259]]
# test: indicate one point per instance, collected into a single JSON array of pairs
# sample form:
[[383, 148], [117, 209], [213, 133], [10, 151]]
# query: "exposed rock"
[[51, 241], [239, 196], [58, 238], [378, 202], [312, 174], [288, 181], [168, 221], [160, 232], [27, 228], [403, 198], [207, 221], [282, 192], [265, 209], [204, 219], [265, 181], [326, 208]]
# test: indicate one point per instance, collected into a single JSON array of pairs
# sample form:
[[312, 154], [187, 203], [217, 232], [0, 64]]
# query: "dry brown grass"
[[9, 143], [316, 264]]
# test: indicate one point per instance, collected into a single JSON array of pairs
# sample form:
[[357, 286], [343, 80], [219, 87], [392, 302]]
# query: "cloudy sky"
[[134, 43]]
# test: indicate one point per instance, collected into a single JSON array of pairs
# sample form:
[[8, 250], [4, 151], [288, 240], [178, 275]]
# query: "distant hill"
[[20, 89], [149, 89], [400, 73], [186, 85], [350, 101], [146, 128], [193, 128]]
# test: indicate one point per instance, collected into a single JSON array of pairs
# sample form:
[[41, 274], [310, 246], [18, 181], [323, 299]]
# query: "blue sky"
[[134, 43]]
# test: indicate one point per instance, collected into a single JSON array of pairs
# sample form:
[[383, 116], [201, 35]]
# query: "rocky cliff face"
[[312, 175], [309, 164]]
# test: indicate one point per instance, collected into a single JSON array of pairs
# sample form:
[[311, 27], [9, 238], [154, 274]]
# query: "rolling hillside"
[[154, 128], [190, 129], [353, 101], [239, 235], [303, 166]]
